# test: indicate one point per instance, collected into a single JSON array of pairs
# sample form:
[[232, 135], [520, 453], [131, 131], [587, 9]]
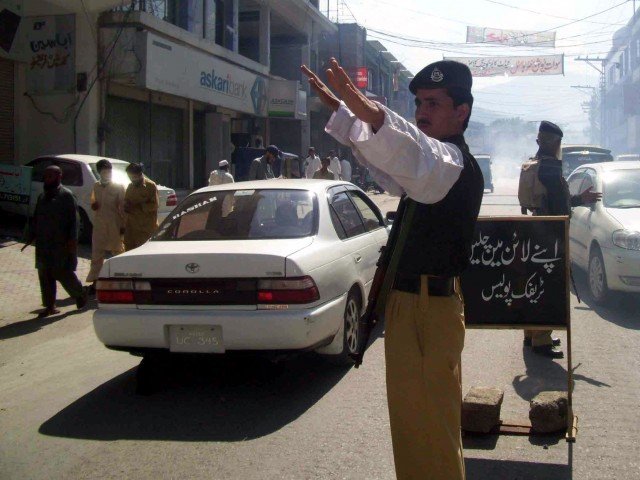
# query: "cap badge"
[[436, 75]]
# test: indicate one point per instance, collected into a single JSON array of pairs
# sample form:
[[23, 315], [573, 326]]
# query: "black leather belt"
[[439, 286]]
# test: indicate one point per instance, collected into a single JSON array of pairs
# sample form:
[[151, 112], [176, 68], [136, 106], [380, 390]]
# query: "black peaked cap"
[[549, 127], [443, 74]]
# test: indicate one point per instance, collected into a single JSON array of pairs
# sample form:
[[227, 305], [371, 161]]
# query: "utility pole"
[[590, 108], [600, 69]]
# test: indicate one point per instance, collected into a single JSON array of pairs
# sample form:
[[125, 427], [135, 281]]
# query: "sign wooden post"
[[519, 279]]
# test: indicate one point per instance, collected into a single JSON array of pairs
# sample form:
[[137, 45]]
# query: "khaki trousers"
[[98, 256], [539, 338], [424, 337]]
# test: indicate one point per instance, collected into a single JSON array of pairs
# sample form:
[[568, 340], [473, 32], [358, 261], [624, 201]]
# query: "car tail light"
[[172, 200], [123, 291], [287, 291]]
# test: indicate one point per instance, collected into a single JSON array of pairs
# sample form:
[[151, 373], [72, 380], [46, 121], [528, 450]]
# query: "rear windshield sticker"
[[194, 207]]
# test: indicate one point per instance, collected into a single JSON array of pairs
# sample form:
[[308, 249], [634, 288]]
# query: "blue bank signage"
[[183, 71]]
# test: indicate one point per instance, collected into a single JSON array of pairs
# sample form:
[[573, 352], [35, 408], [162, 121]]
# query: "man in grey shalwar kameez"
[[55, 231]]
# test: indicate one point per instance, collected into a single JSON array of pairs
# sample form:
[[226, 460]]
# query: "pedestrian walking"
[[221, 175], [262, 167], [311, 163], [323, 173], [107, 203], [345, 167], [335, 165], [140, 207], [430, 166], [556, 200], [54, 228]]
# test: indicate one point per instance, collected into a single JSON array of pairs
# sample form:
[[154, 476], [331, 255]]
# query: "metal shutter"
[[6, 111]]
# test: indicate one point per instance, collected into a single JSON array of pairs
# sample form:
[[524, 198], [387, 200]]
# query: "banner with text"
[[513, 66], [511, 38], [48, 44]]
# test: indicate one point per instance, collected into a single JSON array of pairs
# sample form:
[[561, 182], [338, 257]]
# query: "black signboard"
[[519, 271]]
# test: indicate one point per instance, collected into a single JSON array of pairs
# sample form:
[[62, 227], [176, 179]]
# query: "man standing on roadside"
[[335, 165], [140, 207], [262, 167], [221, 175], [345, 166], [324, 173], [107, 203], [311, 163], [55, 230], [441, 184]]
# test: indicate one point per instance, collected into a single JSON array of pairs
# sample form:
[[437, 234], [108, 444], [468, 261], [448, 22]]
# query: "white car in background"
[[79, 174], [275, 265], [627, 157], [605, 236]]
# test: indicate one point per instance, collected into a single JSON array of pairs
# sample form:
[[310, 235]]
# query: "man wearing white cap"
[[221, 175]]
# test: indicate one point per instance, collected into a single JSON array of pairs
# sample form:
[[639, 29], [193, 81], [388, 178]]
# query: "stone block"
[[548, 412], [481, 409]]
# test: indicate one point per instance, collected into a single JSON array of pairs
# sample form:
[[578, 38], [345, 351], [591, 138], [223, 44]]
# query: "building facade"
[[177, 85], [620, 100]]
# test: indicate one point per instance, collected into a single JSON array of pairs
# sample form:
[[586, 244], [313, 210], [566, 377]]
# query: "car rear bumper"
[[623, 269], [241, 329]]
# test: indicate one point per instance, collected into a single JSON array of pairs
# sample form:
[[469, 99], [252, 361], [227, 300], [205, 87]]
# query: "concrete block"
[[481, 409], [548, 412]]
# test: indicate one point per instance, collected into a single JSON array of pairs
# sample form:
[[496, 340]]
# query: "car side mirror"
[[390, 217]]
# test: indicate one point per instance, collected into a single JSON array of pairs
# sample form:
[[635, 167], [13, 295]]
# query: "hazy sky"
[[443, 25]]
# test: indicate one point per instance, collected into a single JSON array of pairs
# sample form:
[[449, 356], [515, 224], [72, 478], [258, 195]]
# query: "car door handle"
[[357, 258]]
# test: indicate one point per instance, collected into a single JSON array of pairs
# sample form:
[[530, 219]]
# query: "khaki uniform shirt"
[[328, 175]]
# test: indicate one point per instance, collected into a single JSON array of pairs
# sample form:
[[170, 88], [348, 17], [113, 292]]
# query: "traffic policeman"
[[430, 165], [556, 201]]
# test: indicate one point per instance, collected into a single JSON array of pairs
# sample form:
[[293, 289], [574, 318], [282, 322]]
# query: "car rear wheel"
[[597, 277], [351, 329]]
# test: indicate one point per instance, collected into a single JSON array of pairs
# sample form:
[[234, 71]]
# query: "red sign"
[[362, 77]]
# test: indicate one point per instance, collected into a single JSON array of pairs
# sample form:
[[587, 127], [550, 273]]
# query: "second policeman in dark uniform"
[[441, 185]]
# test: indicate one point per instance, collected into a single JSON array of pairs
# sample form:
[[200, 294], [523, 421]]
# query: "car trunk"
[[204, 272]]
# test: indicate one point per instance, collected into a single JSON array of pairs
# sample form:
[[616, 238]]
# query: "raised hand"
[[363, 108], [326, 95]]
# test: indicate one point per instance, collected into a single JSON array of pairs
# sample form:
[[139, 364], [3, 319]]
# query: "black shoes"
[[81, 301], [554, 341], [550, 351], [47, 312]]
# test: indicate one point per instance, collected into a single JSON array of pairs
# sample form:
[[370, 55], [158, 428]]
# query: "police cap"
[[549, 127], [443, 74]]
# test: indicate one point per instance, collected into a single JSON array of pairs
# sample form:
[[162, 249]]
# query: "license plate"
[[196, 338]]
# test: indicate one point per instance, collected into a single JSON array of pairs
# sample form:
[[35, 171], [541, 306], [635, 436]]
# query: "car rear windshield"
[[242, 215], [621, 189]]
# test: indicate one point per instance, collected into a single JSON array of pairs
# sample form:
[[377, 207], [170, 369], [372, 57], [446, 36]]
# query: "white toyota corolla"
[[605, 236], [267, 265]]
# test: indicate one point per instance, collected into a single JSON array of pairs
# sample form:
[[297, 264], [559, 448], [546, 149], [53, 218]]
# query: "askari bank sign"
[[224, 85], [186, 72]]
